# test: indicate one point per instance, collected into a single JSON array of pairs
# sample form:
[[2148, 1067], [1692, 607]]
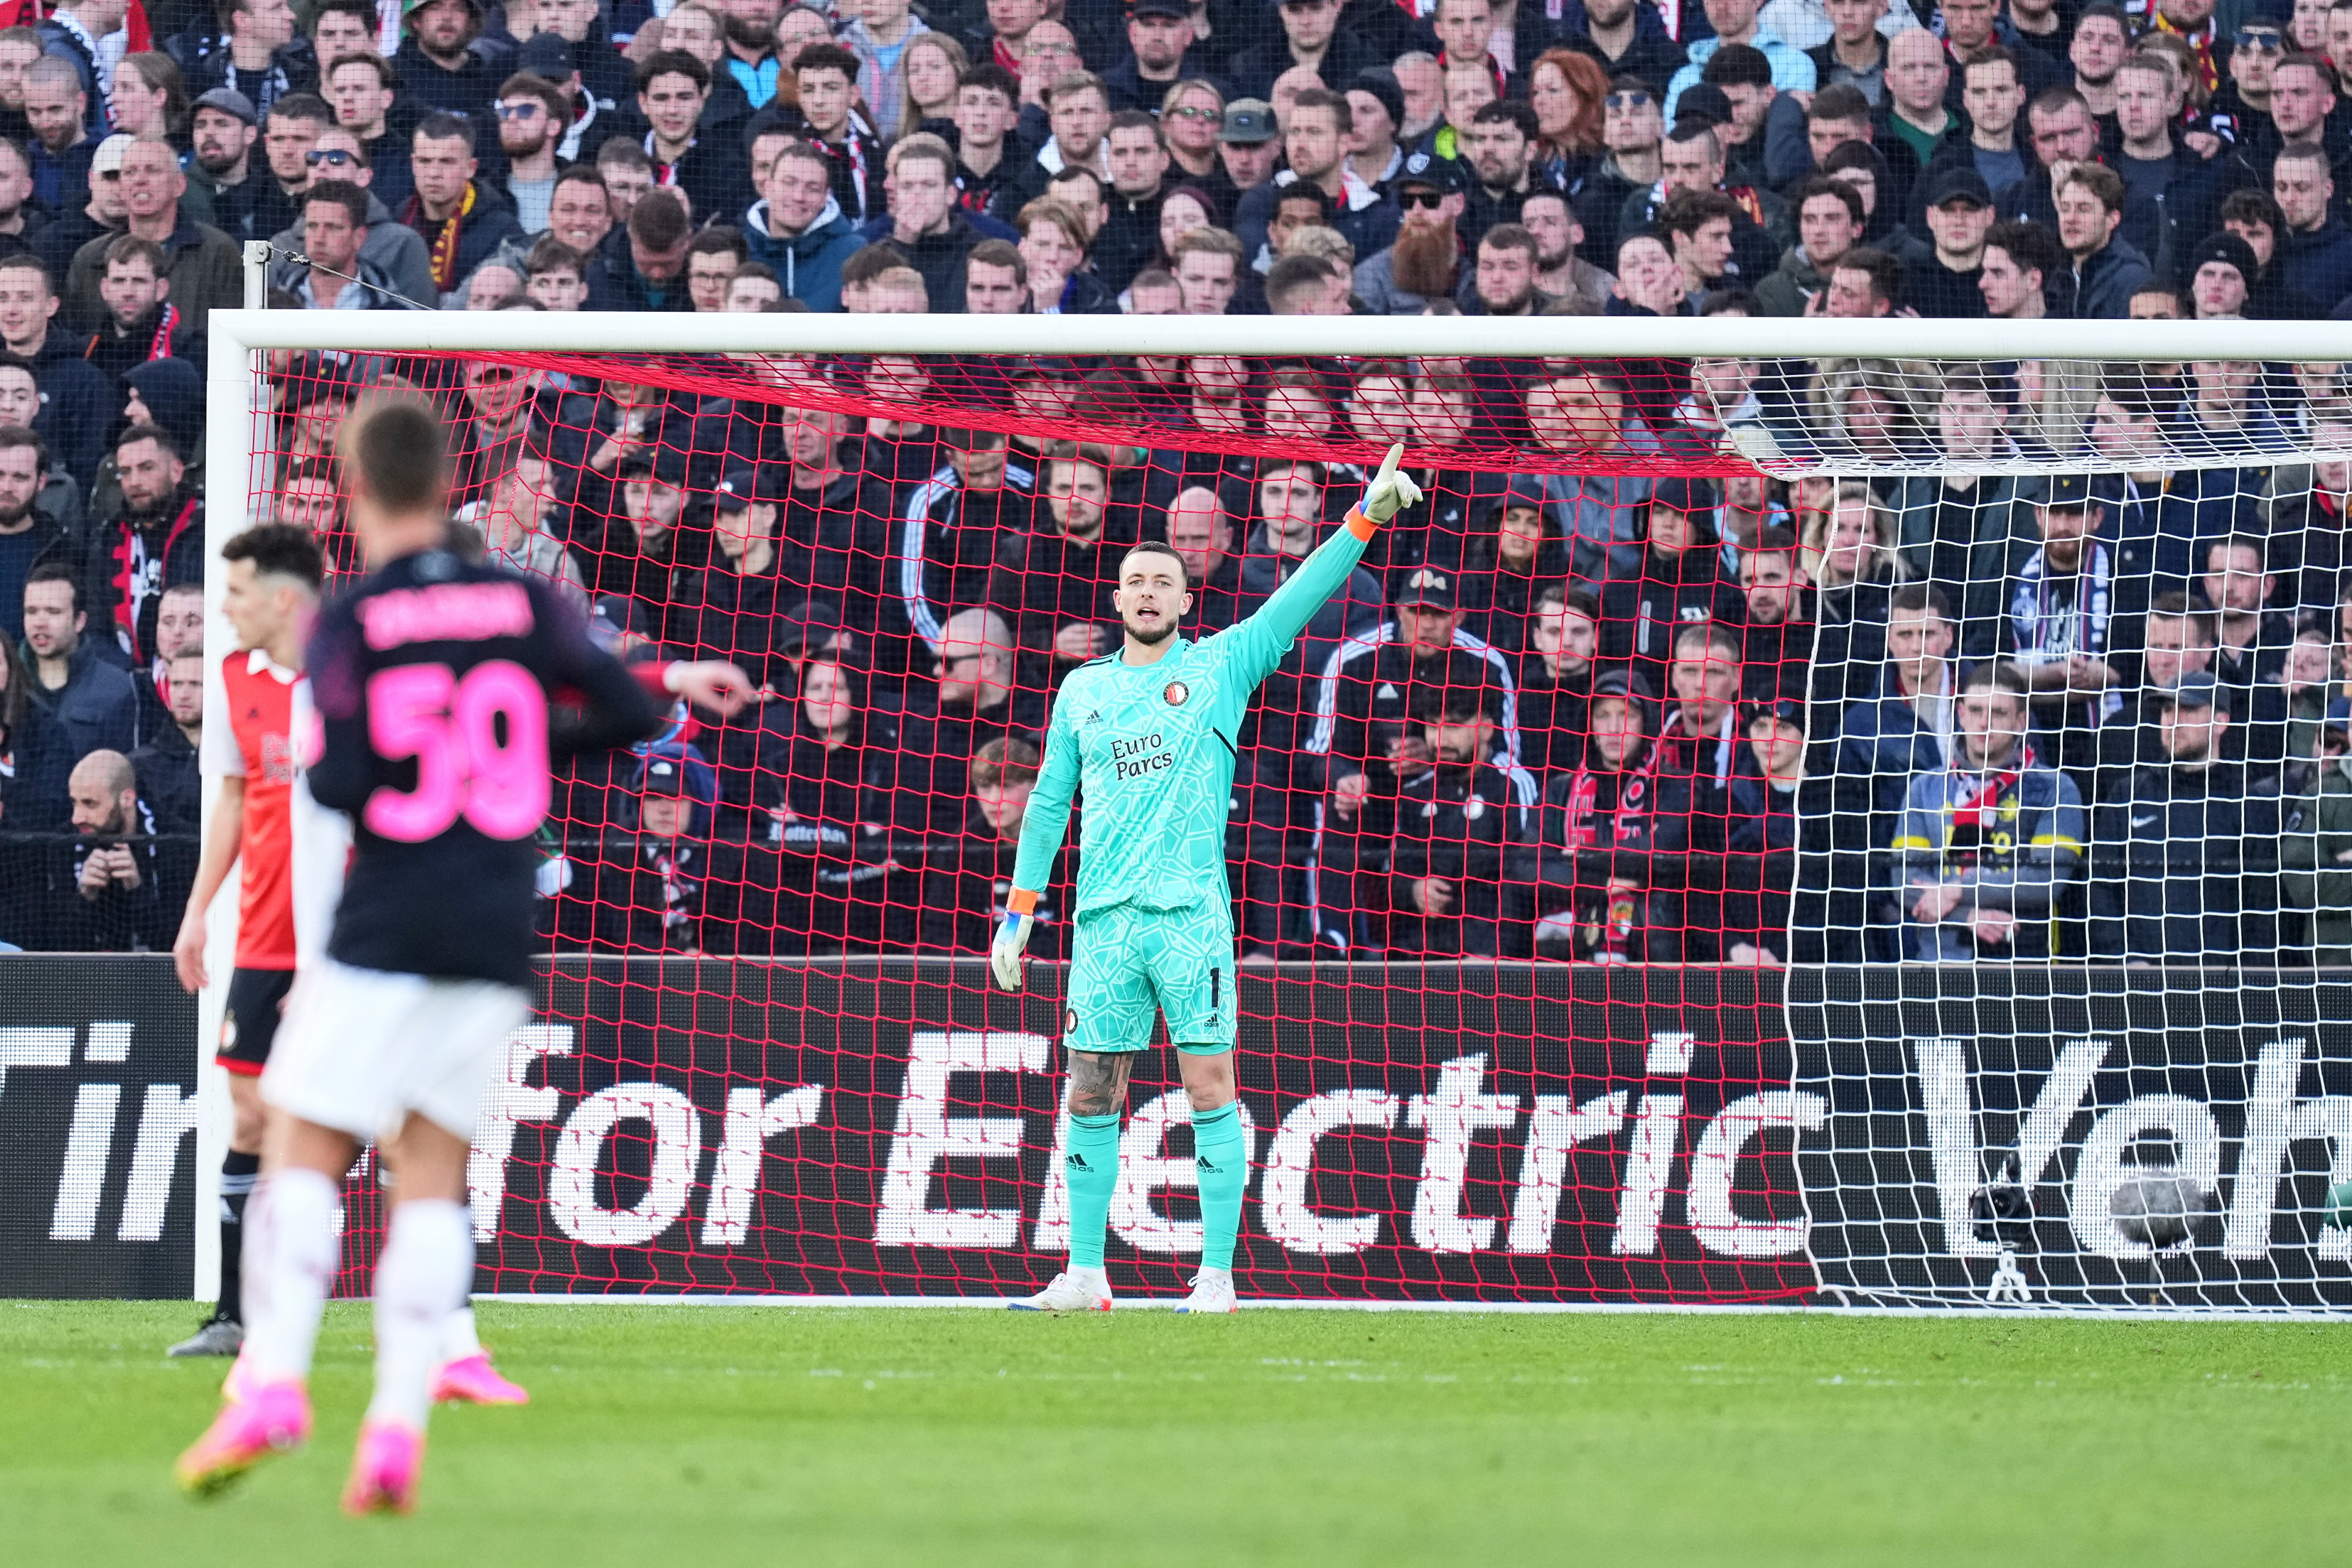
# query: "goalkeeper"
[[1149, 734]]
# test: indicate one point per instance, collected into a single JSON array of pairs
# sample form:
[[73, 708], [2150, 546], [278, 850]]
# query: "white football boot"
[[1073, 1291], [1213, 1292]]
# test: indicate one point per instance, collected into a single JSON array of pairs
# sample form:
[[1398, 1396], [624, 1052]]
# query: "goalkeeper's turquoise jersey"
[[1152, 747]]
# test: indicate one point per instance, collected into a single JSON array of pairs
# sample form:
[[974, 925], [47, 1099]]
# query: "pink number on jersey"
[[451, 728], [408, 716], [508, 785]]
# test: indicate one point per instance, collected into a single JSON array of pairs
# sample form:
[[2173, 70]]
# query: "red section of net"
[[1530, 736]]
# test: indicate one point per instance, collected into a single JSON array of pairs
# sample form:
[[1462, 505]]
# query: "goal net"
[[1866, 829]]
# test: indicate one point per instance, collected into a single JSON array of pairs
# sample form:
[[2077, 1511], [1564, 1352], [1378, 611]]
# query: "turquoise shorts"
[[1131, 962]]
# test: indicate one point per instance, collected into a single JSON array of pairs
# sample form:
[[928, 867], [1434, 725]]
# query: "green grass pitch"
[[716, 1435]]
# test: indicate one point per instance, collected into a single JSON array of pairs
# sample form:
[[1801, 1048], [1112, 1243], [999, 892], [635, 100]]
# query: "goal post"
[[1567, 979]]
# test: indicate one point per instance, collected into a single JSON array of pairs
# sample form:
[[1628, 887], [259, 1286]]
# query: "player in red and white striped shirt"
[[290, 854]]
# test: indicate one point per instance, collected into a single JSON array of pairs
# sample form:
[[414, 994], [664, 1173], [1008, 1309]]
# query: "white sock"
[[426, 1268], [459, 1339], [292, 1256]]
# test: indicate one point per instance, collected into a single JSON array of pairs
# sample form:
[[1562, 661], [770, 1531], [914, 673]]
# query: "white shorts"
[[360, 1049]]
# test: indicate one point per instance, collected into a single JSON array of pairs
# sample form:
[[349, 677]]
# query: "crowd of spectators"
[[1573, 707]]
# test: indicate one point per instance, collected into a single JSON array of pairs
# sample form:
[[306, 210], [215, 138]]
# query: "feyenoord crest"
[[1177, 693], [1070, 1022]]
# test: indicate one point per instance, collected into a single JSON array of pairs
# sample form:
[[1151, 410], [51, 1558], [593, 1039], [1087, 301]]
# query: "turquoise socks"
[[1091, 1163], [1221, 1155]]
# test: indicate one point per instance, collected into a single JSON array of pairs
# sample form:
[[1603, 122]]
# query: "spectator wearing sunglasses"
[[394, 252], [2243, 99], [532, 117]]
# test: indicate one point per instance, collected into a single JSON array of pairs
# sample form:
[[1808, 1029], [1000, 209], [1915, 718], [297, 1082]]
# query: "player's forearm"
[[1323, 574], [1042, 829]]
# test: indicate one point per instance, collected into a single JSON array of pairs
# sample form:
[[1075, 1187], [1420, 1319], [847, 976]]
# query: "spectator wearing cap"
[[444, 61], [1312, 37], [1940, 272], [642, 552], [732, 608], [1780, 799], [2220, 274], [2051, 614], [1830, 221], [1159, 34], [948, 532], [2315, 849], [1734, 23], [1680, 581], [1249, 151], [222, 189], [1458, 821], [1609, 859], [646, 891], [2185, 854], [1376, 107], [1366, 705]]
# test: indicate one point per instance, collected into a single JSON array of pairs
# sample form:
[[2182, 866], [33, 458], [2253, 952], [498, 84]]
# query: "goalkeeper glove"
[[1012, 938], [1389, 492]]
